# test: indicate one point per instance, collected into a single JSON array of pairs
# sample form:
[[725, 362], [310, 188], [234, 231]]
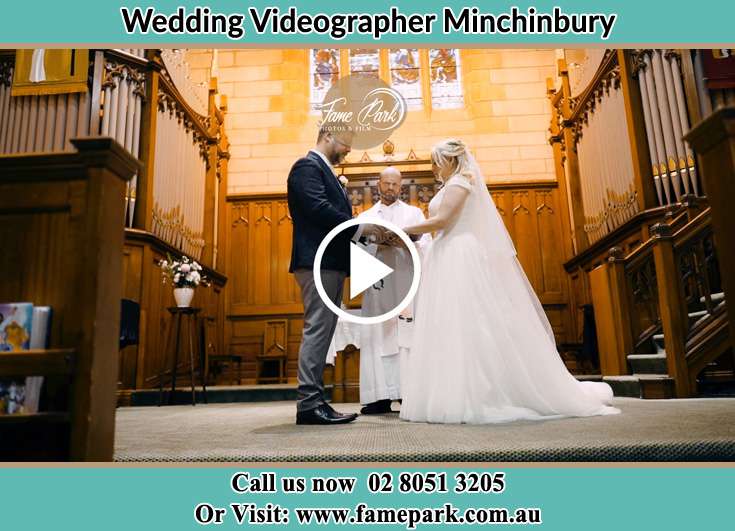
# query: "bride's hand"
[[393, 240]]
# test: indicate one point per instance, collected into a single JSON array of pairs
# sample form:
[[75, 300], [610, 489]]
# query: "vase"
[[183, 296]]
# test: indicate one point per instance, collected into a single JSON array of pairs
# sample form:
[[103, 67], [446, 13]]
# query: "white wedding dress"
[[483, 350]]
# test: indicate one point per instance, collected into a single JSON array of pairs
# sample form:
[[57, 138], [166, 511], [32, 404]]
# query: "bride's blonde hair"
[[453, 151]]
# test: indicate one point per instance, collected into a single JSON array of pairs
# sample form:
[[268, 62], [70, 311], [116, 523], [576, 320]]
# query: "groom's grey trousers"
[[319, 325]]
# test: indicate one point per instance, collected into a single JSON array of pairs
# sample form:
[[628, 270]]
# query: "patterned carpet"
[[651, 430]]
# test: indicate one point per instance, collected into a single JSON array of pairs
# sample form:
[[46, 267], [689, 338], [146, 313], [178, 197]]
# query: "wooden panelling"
[[141, 364], [247, 336], [549, 237], [534, 220], [286, 291], [259, 254]]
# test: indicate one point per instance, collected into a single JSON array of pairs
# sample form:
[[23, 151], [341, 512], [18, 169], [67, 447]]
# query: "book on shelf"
[[16, 321], [22, 327]]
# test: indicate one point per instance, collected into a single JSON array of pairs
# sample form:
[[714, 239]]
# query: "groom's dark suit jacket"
[[318, 203]]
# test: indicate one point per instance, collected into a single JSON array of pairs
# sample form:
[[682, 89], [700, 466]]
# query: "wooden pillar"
[[558, 147], [566, 207], [672, 307], [150, 277], [143, 218], [571, 161], [210, 181], [612, 314], [714, 142], [338, 389], [95, 326], [642, 178], [223, 158]]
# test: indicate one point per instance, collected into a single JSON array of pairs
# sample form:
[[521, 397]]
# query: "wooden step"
[[658, 341], [649, 386], [648, 363], [219, 394], [694, 319], [716, 297], [713, 389]]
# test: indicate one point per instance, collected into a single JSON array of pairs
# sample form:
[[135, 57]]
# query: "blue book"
[[40, 331], [40, 327]]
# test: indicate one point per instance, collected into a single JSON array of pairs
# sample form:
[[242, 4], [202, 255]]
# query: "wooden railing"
[[714, 141], [670, 284]]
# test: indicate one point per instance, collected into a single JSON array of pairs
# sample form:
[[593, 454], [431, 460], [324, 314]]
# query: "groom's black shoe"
[[323, 414], [337, 413], [379, 407]]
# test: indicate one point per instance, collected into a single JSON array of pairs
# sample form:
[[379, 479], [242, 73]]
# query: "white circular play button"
[[366, 270]]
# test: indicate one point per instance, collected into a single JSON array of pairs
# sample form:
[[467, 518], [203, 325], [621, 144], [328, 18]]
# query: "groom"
[[318, 202]]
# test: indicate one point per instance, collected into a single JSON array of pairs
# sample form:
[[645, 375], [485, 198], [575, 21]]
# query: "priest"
[[379, 343]]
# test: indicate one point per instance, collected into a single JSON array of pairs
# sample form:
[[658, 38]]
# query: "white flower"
[[185, 268], [195, 276], [343, 180], [176, 278]]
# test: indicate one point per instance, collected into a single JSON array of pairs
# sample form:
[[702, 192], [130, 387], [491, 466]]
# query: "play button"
[[366, 270]]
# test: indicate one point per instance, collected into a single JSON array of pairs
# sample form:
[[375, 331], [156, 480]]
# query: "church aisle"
[[647, 430]]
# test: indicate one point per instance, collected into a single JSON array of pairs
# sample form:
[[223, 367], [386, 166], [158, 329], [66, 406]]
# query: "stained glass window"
[[324, 73], [446, 87], [365, 62], [405, 74]]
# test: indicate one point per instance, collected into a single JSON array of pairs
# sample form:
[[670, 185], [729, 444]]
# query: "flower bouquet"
[[185, 275]]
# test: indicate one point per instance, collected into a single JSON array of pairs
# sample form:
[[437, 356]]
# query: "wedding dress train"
[[483, 350]]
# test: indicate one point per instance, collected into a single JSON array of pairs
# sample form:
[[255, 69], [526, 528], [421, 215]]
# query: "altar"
[[345, 334], [344, 355]]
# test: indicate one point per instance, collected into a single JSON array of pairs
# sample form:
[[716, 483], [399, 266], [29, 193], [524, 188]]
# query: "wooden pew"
[[62, 231]]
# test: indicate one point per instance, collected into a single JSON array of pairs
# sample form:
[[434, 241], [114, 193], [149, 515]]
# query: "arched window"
[[405, 75], [420, 75], [446, 87], [323, 73], [365, 62]]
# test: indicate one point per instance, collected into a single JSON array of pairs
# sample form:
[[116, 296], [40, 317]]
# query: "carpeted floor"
[[647, 430]]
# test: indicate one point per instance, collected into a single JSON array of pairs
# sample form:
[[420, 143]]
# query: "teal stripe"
[[165, 498], [653, 21]]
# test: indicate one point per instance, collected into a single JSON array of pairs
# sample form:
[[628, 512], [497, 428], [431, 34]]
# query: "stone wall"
[[504, 119]]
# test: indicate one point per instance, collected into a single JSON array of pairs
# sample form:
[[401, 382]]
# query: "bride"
[[483, 349]]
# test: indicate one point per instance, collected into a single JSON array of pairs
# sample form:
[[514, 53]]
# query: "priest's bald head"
[[389, 185]]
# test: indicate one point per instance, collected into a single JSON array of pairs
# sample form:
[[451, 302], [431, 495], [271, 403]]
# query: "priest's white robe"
[[379, 344]]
